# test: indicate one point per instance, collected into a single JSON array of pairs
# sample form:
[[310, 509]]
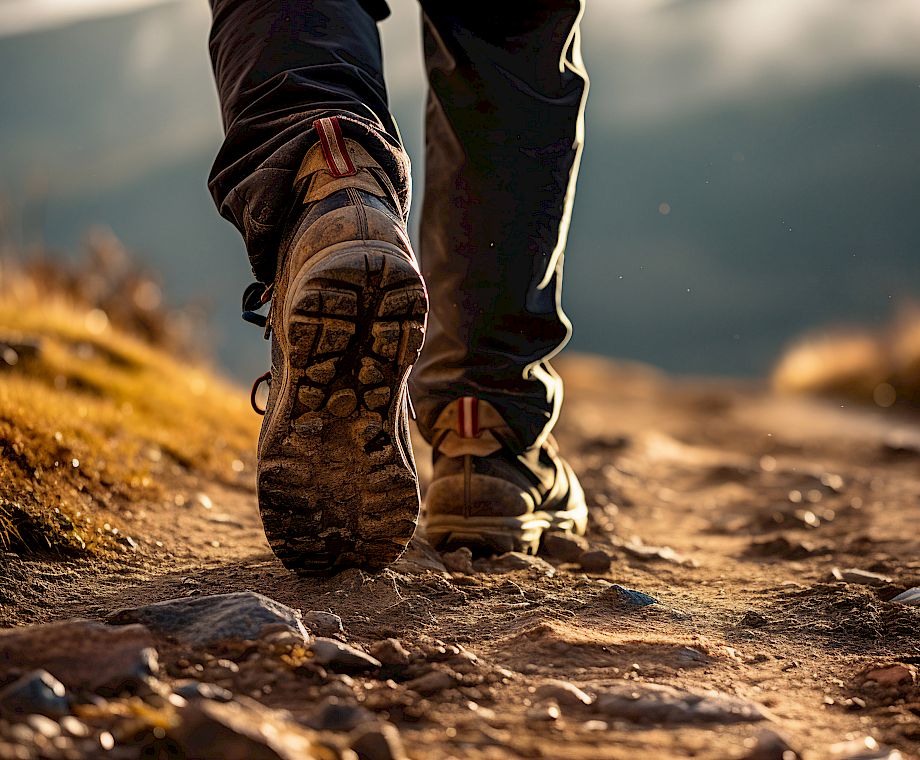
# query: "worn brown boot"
[[337, 483], [485, 496]]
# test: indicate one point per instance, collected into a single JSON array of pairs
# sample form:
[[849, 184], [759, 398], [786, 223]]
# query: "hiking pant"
[[504, 128]]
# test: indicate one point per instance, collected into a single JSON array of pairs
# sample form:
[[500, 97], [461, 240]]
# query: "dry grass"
[[97, 420], [881, 367]]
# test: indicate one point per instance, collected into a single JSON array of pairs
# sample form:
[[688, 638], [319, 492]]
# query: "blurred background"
[[751, 169]]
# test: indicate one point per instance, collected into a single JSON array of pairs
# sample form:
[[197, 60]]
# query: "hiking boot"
[[485, 496], [337, 483]]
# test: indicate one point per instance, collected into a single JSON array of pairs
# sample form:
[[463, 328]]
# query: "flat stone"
[[564, 693], [661, 553], [658, 703], [188, 688], [390, 652], [207, 620], [597, 561], [892, 675], [340, 657], [431, 682], [910, 597], [321, 623], [378, 741], [241, 730], [859, 577], [82, 654], [35, 692], [544, 713], [565, 548]]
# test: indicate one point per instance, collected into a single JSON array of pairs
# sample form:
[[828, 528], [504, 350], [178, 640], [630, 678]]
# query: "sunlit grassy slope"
[[97, 420]]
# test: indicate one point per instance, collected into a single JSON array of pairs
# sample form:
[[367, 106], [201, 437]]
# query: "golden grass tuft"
[[881, 367], [97, 420]]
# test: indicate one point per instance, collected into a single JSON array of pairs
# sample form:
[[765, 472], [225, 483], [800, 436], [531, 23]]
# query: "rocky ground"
[[740, 594]]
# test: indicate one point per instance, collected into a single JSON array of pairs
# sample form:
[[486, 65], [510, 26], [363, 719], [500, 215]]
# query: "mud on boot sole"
[[336, 488]]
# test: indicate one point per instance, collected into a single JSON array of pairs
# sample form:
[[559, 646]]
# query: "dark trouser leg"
[[504, 134], [280, 65]]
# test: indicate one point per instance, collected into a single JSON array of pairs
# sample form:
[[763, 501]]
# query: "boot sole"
[[497, 535], [335, 486]]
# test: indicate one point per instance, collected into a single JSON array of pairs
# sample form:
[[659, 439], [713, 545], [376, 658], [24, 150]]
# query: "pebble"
[[323, 623], [910, 597], [563, 692], [379, 741], [663, 553], [565, 548], [214, 618], [859, 577], [753, 619], [35, 692], [597, 561], [338, 656], [459, 561], [390, 652], [432, 682], [772, 745], [44, 726], [658, 703]]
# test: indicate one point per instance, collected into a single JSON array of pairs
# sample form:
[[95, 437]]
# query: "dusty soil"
[[758, 497]]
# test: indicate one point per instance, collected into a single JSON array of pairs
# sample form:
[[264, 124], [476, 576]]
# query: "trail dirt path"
[[729, 506]]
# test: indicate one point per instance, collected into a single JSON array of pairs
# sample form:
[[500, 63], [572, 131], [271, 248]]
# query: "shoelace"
[[254, 298]]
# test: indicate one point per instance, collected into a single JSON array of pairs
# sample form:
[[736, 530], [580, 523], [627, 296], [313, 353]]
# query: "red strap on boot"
[[333, 145], [468, 417]]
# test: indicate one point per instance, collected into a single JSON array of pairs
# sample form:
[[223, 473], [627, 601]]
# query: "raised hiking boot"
[[485, 496], [337, 483]]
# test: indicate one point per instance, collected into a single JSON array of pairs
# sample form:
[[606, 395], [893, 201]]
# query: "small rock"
[[341, 657], [241, 730], [627, 597], [597, 561], [83, 654], [74, 727], [910, 597], [335, 714], [432, 682], [657, 703], [192, 689], [772, 745], [564, 547], [207, 620], [323, 623], [563, 692], [390, 652], [859, 577], [784, 547], [892, 675], [753, 619], [546, 712], [36, 692], [511, 561], [663, 553], [459, 561], [380, 741]]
